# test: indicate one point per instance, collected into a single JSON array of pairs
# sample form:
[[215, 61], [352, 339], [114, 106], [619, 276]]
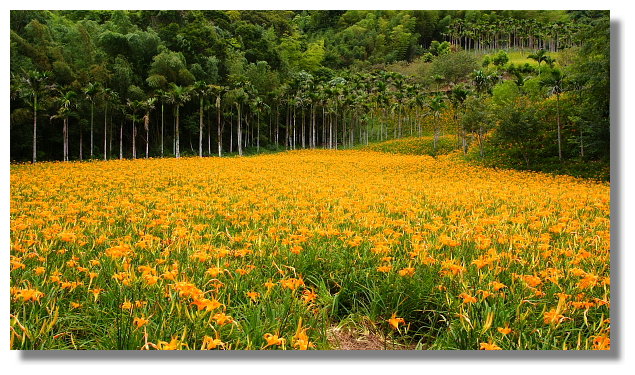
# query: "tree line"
[[115, 84]]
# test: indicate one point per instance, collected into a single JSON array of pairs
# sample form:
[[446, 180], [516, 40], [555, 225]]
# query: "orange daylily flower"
[[140, 322], [489, 346], [253, 295], [394, 321], [273, 340], [210, 343], [467, 298]]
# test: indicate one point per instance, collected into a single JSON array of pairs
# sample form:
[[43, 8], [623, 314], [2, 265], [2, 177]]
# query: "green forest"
[[513, 89]]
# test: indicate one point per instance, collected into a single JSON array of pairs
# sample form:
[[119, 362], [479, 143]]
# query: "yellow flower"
[[489, 346], [67, 236], [253, 295], [273, 340], [96, 292], [174, 344], [207, 304], [140, 322], [408, 271], [211, 343], [552, 316], [291, 283], [497, 285], [394, 321], [601, 343], [222, 319], [214, 271], [301, 340], [504, 330], [269, 284], [467, 298], [308, 296], [29, 295]]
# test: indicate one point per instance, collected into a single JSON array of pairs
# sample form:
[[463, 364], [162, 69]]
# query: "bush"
[[454, 66], [486, 61], [427, 57], [500, 59]]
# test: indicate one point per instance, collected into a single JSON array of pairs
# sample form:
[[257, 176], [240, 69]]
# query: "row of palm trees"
[[304, 112], [310, 111], [512, 33]]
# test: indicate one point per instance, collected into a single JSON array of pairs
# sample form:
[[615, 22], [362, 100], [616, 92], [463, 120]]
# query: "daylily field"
[[289, 250]]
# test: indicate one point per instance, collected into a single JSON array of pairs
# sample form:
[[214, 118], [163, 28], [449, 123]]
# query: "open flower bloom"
[[253, 295], [28, 295], [274, 340], [301, 340], [504, 330], [394, 321], [140, 322], [211, 343], [467, 298], [174, 344], [489, 346]]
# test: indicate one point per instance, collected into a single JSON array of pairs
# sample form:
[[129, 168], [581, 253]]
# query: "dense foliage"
[[104, 84]]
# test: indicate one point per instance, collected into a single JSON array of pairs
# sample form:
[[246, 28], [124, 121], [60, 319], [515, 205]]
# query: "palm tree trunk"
[[34, 128], [335, 129], [303, 129], [581, 143], [81, 140], [231, 131], [323, 125], [330, 131], [105, 130], [436, 133], [110, 133], [344, 128], [161, 128], [314, 138], [176, 134], [293, 143], [381, 124], [394, 128], [558, 121], [239, 132], [147, 141], [64, 135], [121, 140], [200, 128], [286, 129], [134, 139], [218, 128], [92, 106], [277, 124]]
